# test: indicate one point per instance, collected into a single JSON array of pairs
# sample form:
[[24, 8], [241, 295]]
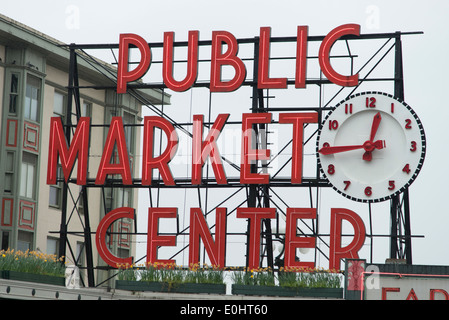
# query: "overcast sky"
[[425, 64]]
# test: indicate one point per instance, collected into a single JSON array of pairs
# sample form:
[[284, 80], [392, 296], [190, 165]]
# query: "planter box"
[[31, 277], [171, 287], [287, 291]]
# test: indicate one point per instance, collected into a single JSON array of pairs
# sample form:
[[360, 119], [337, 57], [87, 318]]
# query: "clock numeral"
[[371, 102], [408, 124], [347, 184], [333, 125], [413, 146], [368, 191], [406, 169], [348, 108], [391, 185], [331, 169]]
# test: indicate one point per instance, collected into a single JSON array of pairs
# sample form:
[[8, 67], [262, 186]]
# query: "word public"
[[229, 58]]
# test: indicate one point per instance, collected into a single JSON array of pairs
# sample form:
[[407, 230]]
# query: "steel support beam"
[[74, 96], [400, 241]]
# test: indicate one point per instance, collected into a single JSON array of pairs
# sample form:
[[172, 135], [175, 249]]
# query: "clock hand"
[[337, 149], [375, 125], [368, 146], [367, 156]]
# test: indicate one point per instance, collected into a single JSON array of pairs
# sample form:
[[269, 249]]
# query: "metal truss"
[[387, 45]]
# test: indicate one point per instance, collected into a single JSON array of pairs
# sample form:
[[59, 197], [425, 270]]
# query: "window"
[[56, 190], [9, 172], [24, 241], [86, 110], [79, 253], [127, 120], [28, 175], [5, 240], [32, 98], [81, 200], [122, 253], [124, 197], [107, 193], [14, 93], [59, 105], [53, 246]]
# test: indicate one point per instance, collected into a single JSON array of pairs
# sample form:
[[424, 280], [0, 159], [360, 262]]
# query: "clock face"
[[371, 147]]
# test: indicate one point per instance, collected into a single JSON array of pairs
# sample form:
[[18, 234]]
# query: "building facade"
[[34, 71]]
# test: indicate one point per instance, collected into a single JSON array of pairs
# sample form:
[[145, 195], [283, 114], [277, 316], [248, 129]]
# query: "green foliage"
[[293, 277], [257, 277], [311, 279], [31, 262], [172, 274]]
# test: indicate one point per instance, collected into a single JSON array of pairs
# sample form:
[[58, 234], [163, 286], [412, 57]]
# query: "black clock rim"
[[418, 168]]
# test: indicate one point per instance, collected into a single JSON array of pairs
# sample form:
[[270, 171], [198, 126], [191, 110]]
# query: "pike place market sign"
[[370, 148]]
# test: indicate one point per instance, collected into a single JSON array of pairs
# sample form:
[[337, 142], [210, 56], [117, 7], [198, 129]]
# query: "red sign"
[[230, 58], [206, 147], [201, 149]]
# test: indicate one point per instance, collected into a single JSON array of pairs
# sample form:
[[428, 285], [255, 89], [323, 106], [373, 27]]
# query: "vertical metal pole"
[[254, 190], [68, 120], [73, 94], [398, 209], [252, 196], [407, 227], [394, 203]]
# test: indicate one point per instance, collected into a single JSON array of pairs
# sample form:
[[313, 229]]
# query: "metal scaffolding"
[[386, 45]]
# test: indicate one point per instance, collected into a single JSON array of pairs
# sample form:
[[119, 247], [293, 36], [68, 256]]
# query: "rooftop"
[[19, 35]]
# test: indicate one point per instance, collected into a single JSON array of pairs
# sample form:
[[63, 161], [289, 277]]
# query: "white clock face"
[[371, 147]]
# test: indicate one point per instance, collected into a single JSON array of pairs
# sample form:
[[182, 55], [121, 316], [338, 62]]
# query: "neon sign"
[[230, 58], [206, 147]]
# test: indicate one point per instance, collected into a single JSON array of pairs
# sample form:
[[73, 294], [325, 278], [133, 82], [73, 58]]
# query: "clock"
[[371, 147]]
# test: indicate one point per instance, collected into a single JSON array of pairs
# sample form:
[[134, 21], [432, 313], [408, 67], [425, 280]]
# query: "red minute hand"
[[332, 150], [368, 146]]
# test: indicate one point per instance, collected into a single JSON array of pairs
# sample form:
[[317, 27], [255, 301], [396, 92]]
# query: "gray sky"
[[425, 65]]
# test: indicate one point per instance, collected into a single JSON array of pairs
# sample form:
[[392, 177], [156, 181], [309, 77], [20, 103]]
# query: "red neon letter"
[[58, 145], [301, 57], [116, 136], [153, 239], [336, 252], [199, 228], [264, 80], [100, 236], [385, 290], [412, 295], [228, 58], [298, 120], [192, 62], [201, 150], [255, 215], [161, 162], [324, 54], [292, 241], [123, 75], [248, 153], [443, 292]]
